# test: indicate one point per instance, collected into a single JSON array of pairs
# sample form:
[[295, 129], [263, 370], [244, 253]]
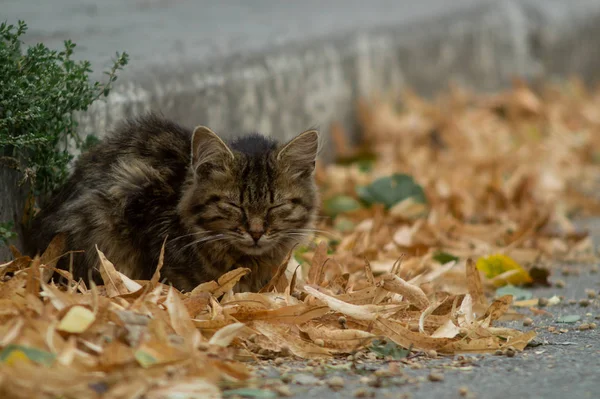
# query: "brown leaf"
[[406, 338], [112, 279], [475, 287], [412, 293], [281, 336], [161, 259], [315, 273], [498, 307], [223, 284], [180, 319], [279, 280], [225, 335], [34, 277]]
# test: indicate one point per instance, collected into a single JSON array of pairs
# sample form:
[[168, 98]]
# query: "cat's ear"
[[208, 150], [300, 154]]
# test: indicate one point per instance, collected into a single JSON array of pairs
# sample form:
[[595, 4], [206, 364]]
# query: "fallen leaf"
[[112, 279], [391, 190], [518, 294], [572, 318], [225, 335], [76, 320], [412, 293], [14, 353], [503, 269]]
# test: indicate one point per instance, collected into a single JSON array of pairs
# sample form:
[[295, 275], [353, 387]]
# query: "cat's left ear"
[[208, 150], [300, 154]]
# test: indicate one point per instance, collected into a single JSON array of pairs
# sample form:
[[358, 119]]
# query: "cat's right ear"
[[209, 151]]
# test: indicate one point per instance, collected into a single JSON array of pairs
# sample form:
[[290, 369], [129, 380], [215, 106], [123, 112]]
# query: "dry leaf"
[[76, 320]]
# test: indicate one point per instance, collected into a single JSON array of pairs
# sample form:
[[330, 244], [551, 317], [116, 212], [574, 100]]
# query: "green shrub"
[[40, 89]]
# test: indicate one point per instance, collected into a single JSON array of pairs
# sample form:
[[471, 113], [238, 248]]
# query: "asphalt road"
[[564, 364]]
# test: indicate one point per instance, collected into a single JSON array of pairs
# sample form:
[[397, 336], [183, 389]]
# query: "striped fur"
[[222, 206]]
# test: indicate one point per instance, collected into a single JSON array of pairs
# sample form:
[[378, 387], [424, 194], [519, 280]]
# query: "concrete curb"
[[284, 89]]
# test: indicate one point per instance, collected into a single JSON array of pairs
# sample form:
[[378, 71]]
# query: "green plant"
[[6, 232], [40, 89]]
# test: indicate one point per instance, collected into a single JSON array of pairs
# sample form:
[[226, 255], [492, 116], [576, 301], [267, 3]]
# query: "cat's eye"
[[277, 206], [291, 202], [230, 206]]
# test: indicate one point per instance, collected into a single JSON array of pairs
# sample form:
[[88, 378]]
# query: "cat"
[[220, 206]]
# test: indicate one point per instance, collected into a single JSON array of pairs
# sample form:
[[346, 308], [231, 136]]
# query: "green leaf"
[[250, 393], [343, 224], [572, 318], [13, 351], [391, 190], [340, 204], [389, 348], [444, 257], [518, 294], [144, 359]]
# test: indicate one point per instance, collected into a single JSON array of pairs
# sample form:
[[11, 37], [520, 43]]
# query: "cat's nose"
[[256, 234]]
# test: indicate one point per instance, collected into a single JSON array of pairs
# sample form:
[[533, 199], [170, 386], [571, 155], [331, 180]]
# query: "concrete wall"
[[282, 67]]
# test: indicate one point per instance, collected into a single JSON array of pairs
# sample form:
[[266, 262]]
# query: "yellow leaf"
[[496, 265], [77, 320], [16, 356]]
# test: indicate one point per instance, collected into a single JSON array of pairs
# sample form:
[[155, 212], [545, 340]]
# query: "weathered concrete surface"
[[281, 67]]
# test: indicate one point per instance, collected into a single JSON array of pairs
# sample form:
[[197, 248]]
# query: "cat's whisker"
[[191, 234], [316, 232], [205, 240]]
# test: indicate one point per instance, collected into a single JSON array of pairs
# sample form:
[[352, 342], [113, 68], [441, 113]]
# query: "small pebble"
[[374, 382], [583, 327], [560, 284], [572, 302], [342, 320], [510, 351], [435, 377], [593, 326], [584, 302], [432, 353], [551, 329], [279, 361], [363, 393], [283, 390], [463, 391], [319, 372], [564, 330], [543, 302], [499, 352], [336, 382], [319, 342], [286, 378], [382, 373], [527, 322]]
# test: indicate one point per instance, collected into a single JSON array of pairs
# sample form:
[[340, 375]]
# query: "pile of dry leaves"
[[465, 193]]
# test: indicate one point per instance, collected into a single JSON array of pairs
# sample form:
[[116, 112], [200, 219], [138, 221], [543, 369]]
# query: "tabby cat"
[[221, 205]]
